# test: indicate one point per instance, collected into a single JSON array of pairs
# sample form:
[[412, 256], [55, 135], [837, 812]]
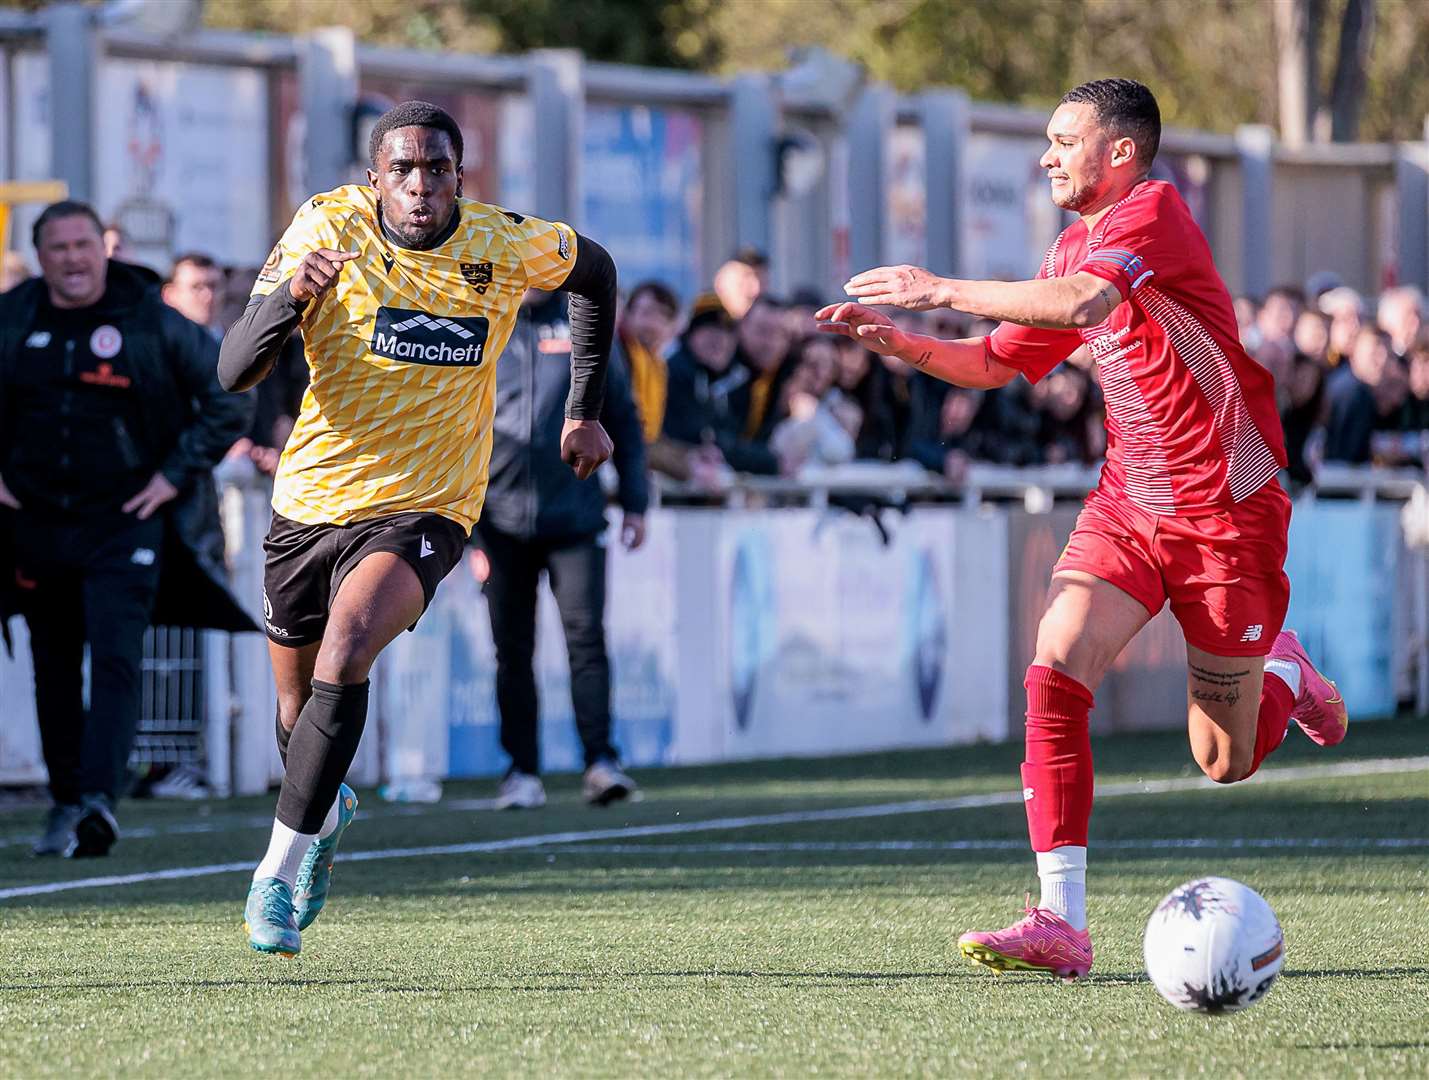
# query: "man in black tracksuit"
[[111, 420], [539, 516]]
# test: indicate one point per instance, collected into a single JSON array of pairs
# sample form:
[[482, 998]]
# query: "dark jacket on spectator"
[[701, 408], [1353, 417], [894, 412], [1299, 421], [1005, 430], [532, 492], [740, 382], [185, 424]]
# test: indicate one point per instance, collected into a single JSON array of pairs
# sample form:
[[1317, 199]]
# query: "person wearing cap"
[[703, 430]]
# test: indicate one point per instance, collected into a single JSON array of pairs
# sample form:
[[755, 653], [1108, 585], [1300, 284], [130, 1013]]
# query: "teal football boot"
[[268, 918], [315, 873]]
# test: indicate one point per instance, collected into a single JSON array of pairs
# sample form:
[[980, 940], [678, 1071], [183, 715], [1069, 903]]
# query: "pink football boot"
[[1040, 942], [1319, 708]]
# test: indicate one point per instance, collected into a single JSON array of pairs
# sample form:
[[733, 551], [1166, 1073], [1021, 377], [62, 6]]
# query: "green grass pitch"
[[796, 948]]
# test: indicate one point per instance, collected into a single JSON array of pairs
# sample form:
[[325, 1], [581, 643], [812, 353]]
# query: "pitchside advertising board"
[[749, 634], [733, 636]]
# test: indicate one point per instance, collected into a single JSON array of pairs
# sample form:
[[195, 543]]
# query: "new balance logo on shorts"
[[421, 338], [1252, 633]]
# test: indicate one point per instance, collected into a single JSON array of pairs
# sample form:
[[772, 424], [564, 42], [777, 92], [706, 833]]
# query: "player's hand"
[[632, 531], [909, 287], [154, 494], [6, 498], [584, 446], [317, 272], [871, 329]]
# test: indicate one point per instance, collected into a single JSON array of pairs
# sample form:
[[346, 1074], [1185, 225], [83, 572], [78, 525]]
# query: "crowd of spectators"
[[740, 380], [1352, 377], [748, 384]]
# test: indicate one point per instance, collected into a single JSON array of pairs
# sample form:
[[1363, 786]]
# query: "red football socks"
[[1276, 701], [1057, 775]]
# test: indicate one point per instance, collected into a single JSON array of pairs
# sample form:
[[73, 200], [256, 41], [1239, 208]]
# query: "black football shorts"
[[305, 565]]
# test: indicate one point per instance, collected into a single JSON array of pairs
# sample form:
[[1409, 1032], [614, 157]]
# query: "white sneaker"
[[182, 782], [605, 782], [521, 791]]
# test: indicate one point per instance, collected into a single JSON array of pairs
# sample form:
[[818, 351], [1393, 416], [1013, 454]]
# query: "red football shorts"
[[1224, 572]]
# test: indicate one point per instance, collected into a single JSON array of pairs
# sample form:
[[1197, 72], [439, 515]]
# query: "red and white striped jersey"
[[1191, 420]]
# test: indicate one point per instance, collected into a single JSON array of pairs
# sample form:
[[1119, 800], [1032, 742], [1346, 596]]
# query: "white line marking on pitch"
[[230, 823], [1368, 767], [836, 846]]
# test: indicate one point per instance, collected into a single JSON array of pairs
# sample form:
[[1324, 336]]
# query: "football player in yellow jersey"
[[406, 294]]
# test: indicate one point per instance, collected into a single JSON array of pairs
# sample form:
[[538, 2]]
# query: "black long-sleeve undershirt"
[[251, 346], [592, 284]]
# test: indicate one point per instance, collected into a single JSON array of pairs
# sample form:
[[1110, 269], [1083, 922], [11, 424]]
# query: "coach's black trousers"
[[87, 580], [576, 569]]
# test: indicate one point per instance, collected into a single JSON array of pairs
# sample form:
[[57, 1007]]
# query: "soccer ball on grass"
[[1213, 946]]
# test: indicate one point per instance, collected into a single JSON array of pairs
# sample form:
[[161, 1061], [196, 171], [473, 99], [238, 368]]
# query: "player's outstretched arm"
[[592, 284], [251, 346], [1059, 303], [964, 362]]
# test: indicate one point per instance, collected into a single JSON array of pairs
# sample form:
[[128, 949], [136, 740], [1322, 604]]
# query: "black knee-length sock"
[[320, 751]]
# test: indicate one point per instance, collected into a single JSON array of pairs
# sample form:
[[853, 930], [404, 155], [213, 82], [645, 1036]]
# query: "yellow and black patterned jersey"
[[402, 357]]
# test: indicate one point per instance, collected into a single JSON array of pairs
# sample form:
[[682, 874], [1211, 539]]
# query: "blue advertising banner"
[[644, 193]]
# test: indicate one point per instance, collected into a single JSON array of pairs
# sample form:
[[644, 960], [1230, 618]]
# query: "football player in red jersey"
[[1188, 509]]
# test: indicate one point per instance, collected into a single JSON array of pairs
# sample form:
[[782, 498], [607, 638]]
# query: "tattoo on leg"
[[1218, 687]]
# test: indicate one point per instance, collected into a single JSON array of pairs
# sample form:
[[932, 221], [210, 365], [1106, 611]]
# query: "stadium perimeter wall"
[[743, 634], [209, 141]]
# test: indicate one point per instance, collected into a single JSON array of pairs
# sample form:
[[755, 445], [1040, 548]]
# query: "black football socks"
[[321, 749]]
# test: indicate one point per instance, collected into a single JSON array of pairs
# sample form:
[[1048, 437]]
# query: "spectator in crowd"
[[1300, 393], [701, 419], [194, 289], [1416, 405], [111, 420], [1356, 393], [892, 420], [955, 434], [1070, 428], [1312, 337], [803, 302], [1275, 321], [539, 516], [13, 270], [741, 281], [1346, 311], [116, 247], [760, 356], [1392, 444], [1401, 316], [115, 242], [647, 326], [1245, 312], [817, 427], [857, 387]]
